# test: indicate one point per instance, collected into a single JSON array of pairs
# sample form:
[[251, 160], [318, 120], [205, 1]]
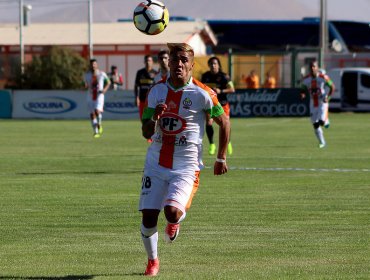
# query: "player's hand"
[[220, 168], [303, 96], [159, 110]]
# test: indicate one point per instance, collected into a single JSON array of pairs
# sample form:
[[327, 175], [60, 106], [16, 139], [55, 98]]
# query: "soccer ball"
[[151, 17]]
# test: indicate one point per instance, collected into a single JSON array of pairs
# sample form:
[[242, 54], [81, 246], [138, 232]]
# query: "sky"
[[48, 11]]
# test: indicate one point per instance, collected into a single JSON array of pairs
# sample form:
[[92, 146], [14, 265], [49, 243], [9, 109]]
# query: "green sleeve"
[[216, 111], [148, 113], [304, 89]]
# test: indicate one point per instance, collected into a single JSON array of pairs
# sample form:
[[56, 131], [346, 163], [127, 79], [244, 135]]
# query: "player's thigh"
[[99, 105], [181, 190], [153, 191], [315, 114], [323, 111]]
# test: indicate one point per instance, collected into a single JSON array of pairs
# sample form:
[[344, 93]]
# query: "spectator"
[[252, 80], [270, 81], [116, 79]]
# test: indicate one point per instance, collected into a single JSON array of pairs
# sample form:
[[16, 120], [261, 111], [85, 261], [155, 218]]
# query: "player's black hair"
[[93, 60], [217, 59], [162, 52]]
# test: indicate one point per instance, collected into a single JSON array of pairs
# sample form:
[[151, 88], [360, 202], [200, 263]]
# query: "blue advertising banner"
[[5, 104], [280, 102]]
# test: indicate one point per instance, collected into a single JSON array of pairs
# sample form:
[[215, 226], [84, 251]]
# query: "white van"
[[352, 89]]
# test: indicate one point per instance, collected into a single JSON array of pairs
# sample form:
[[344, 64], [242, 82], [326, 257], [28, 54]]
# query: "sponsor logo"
[[120, 107], [171, 123], [177, 141], [50, 105]]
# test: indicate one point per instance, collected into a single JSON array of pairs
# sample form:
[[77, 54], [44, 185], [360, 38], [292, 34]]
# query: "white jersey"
[[315, 86], [177, 141], [96, 82]]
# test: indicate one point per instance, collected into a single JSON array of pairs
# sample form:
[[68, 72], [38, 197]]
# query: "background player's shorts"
[[162, 186], [319, 113], [226, 108], [97, 104]]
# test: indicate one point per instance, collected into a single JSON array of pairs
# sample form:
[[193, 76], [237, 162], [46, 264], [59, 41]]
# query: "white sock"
[[100, 117], [150, 240], [320, 135], [94, 125]]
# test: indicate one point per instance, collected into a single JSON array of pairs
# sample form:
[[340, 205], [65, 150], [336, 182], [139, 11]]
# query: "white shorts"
[[162, 186], [319, 113], [97, 104]]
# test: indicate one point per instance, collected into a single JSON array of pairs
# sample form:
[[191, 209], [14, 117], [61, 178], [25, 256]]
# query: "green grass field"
[[285, 210]]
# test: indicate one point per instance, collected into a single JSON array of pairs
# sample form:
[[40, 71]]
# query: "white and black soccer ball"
[[151, 17]]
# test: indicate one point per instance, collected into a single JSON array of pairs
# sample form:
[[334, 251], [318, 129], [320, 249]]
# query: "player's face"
[[314, 68], [181, 66], [93, 66], [163, 60], [214, 67], [148, 62]]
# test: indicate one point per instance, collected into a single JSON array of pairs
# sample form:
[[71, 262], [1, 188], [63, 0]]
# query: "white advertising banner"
[[70, 104]]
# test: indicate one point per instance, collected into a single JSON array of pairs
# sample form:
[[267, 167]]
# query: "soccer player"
[[143, 81], [164, 69], [97, 82], [174, 119], [314, 85], [221, 83]]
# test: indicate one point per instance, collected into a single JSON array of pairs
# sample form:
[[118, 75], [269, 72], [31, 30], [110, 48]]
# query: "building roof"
[[289, 34], [118, 33]]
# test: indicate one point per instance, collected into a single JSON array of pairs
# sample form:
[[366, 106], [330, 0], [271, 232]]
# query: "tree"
[[60, 68]]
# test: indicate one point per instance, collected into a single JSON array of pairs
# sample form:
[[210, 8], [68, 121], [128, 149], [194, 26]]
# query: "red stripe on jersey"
[[314, 93], [168, 141]]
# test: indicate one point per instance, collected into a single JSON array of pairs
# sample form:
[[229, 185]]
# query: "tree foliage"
[[60, 68]]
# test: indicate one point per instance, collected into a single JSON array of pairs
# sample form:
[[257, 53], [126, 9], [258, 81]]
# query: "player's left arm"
[[107, 83], [329, 83], [218, 115]]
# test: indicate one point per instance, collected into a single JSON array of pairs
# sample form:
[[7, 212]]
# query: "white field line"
[[297, 169]]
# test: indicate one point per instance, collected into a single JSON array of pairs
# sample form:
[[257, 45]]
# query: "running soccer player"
[[174, 119], [314, 85], [221, 83], [143, 81], [97, 82]]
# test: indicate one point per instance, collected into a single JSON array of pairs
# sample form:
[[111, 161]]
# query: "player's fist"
[[159, 110]]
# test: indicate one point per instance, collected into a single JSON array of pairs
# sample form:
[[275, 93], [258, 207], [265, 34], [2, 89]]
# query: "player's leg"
[[210, 133], [153, 191], [99, 112], [319, 134], [326, 115], [315, 119], [149, 236], [182, 189]]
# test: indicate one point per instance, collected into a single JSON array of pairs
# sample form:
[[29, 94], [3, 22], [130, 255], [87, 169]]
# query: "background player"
[[143, 81], [97, 82], [314, 85], [221, 83], [164, 69], [175, 120]]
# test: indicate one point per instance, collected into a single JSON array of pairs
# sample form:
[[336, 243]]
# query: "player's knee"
[[172, 214], [316, 125], [147, 232]]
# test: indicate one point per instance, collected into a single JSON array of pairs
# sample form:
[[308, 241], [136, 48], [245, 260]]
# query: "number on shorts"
[[146, 182]]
